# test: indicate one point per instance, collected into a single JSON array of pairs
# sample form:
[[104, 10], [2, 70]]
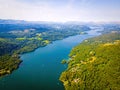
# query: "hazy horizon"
[[61, 10]]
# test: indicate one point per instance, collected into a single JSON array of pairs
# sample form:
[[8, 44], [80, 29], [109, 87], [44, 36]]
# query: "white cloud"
[[41, 11]]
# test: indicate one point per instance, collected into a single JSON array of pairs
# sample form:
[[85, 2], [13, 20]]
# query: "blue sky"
[[61, 10]]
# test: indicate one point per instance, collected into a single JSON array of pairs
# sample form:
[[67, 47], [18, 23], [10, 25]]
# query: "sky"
[[61, 10]]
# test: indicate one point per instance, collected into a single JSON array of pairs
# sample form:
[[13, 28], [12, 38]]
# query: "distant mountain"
[[10, 21], [7, 25]]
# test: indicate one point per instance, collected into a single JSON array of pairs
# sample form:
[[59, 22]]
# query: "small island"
[[64, 61]]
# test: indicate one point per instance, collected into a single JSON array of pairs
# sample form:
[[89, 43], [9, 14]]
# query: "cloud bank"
[[60, 10]]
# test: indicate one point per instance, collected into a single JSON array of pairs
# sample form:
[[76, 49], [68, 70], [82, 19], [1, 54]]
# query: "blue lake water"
[[41, 69]]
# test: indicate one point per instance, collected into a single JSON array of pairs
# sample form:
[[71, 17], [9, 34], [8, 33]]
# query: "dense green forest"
[[16, 39], [94, 64], [8, 63]]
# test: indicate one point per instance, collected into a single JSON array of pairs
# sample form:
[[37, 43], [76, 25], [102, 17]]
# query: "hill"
[[94, 64]]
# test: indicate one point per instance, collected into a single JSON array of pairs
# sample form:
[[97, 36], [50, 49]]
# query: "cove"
[[41, 69]]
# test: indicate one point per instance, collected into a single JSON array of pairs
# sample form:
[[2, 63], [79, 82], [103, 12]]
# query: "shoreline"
[[7, 72]]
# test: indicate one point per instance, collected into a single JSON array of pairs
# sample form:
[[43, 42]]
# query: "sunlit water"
[[41, 69]]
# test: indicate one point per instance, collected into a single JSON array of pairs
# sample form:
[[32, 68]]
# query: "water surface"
[[41, 69]]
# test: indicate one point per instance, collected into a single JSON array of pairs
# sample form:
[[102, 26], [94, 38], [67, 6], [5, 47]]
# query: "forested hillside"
[[94, 64]]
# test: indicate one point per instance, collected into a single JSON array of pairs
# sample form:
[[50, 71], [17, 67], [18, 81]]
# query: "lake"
[[41, 69]]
